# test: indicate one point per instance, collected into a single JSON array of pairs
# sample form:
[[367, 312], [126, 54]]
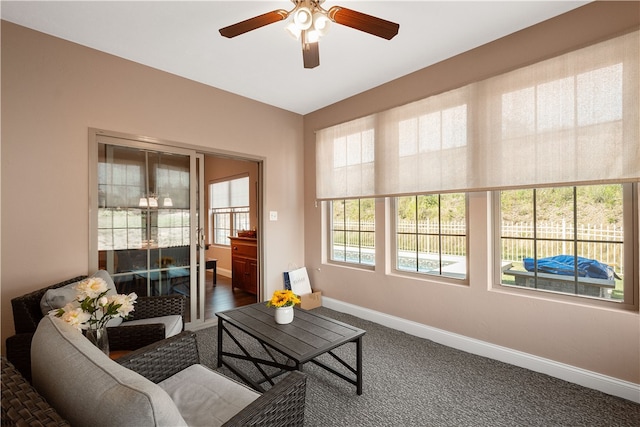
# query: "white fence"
[[603, 242]]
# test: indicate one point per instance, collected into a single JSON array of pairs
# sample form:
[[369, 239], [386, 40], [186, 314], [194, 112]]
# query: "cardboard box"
[[312, 300]]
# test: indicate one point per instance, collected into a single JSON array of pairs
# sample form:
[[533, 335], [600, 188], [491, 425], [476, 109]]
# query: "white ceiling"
[[266, 64]]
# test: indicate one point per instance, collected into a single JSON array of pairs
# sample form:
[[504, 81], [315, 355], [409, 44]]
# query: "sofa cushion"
[[205, 397], [54, 299], [172, 324], [88, 388]]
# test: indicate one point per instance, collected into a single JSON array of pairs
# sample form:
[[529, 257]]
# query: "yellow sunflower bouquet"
[[283, 298]]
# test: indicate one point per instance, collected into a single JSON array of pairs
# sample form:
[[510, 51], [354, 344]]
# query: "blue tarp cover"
[[565, 265]]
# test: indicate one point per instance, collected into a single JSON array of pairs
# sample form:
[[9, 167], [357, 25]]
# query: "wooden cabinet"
[[244, 264]]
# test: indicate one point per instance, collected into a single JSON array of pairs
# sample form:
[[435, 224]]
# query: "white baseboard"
[[224, 272], [593, 380]]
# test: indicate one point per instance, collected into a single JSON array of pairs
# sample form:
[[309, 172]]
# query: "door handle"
[[200, 237]]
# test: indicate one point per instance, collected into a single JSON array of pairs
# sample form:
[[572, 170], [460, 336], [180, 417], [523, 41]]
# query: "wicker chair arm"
[[162, 359], [19, 353], [281, 405], [22, 405], [135, 336], [157, 306]]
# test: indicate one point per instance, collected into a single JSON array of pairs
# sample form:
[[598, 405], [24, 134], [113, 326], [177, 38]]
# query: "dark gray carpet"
[[410, 381]]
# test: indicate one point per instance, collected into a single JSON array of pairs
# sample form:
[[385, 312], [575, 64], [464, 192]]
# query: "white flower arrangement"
[[93, 308]]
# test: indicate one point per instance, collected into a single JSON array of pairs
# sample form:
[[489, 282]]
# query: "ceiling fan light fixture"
[[293, 30], [311, 36], [321, 23], [303, 18]]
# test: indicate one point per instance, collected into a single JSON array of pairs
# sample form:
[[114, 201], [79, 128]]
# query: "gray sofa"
[[162, 384]]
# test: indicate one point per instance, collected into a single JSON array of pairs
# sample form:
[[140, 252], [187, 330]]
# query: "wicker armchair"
[[22, 405], [27, 314], [281, 405]]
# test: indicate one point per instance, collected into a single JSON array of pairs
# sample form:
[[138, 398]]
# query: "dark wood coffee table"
[[301, 341]]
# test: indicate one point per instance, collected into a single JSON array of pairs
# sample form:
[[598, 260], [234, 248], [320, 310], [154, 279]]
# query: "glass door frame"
[[199, 213], [196, 206]]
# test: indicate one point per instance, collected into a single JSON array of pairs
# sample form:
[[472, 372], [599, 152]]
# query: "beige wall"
[[53, 91], [602, 340]]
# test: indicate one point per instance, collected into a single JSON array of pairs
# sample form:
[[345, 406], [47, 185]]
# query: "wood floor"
[[221, 297]]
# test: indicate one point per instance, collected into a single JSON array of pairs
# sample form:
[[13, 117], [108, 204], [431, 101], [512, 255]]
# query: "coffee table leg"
[[359, 366], [219, 342]]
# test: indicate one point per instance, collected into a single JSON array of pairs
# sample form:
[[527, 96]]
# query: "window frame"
[[631, 193], [232, 215], [230, 212], [331, 230], [393, 242]]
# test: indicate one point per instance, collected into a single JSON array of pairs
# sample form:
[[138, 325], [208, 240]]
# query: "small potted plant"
[[283, 301]]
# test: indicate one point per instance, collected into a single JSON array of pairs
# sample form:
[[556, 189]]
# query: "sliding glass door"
[[146, 222]]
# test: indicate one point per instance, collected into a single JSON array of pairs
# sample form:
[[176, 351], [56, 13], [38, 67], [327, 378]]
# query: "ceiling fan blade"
[[363, 22], [254, 23], [310, 55]]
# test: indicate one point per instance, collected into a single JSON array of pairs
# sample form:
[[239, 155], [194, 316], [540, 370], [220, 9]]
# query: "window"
[[583, 99], [433, 132], [547, 123], [571, 119], [228, 209], [353, 231], [347, 159], [143, 199], [121, 182], [431, 234], [568, 240]]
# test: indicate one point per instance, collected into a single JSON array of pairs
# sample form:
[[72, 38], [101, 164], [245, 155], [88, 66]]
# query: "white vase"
[[284, 315]]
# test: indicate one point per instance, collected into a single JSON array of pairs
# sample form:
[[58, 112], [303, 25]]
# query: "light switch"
[[273, 215]]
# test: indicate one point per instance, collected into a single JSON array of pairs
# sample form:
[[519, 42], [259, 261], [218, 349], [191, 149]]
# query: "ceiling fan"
[[309, 21]]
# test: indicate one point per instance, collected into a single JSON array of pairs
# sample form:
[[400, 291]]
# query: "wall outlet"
[[273, 215]]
